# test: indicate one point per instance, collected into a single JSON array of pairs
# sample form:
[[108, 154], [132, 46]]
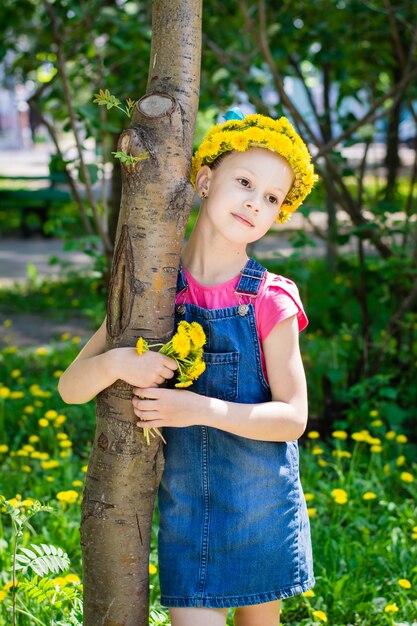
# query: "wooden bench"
[[36, 201]]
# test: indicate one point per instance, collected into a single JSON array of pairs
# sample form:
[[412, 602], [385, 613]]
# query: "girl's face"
[[244, 193]]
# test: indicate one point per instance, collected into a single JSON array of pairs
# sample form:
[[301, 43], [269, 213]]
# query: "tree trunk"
[[392, 156], [123, 472]]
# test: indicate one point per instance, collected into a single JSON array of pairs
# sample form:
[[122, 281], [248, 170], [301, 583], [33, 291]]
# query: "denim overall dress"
[[234, 528]]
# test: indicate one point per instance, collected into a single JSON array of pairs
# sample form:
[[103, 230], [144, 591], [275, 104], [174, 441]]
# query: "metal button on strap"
[[180, 309], [243, 309]]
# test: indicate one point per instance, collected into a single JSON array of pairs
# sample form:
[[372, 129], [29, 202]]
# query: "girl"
[[234, 529]]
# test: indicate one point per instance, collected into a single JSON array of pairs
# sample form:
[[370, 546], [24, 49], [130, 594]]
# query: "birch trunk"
[[124, 473]]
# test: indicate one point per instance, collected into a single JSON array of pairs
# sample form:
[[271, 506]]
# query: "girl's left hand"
[[165, 407]]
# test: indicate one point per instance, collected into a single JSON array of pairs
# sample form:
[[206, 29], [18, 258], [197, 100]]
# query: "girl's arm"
[[94, 369], [284, 418]]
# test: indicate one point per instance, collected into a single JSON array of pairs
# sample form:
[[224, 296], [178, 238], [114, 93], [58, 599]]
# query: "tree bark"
[[123, 472]]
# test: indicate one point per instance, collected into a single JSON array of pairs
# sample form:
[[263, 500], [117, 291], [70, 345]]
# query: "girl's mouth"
[[243, 220]]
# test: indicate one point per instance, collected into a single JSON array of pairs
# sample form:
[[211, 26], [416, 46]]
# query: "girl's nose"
[[252, 205]]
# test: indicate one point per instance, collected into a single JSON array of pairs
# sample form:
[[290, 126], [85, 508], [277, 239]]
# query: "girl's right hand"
[[150, 369]]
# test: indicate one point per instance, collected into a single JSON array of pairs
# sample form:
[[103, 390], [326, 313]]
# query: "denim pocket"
[[220, 380]]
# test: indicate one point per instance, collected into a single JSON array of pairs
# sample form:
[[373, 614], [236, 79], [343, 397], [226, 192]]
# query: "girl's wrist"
[[112, 364]]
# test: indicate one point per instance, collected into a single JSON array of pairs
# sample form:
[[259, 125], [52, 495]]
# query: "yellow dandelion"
[[15, 395], [58, 373], [374, 413], [69, 496], [341, 454], [402, 439], [317, 450], [312, 512], [84, 468], [4, 448], [65, 336], [15, 373], [52, 464], [404, 583], [61, 436], [27, 469], [308, 594], [339, 434], [43, 422], [59, 582], [51, 414], [141, 346], [184, 383], [65, 443], [313, 434], [73, 578], [181, 345], [34, 439], [197, 335], [4, 392], [3, 594], [42, 351], [309, 497], [60, 420], [321, 615], [76, 340], [369, 495], [407, 477], [322, 463], [400, 461], [77, 483], [391, 608], [196, 370], [391, 434], [377, 423], [152, 569], [29, 409], [376, 449]]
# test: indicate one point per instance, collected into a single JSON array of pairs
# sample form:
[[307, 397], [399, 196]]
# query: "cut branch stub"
[[156, 105]]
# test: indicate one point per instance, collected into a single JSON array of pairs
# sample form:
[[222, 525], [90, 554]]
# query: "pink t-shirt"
[[277, 299]]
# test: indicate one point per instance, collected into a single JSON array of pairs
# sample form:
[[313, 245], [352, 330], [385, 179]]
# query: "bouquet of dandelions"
[[186, 348]]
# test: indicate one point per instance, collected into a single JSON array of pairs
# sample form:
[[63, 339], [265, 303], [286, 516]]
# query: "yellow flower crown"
[[262, 132]]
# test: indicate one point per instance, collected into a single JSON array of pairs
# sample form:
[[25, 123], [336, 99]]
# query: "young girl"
[[234, 529]]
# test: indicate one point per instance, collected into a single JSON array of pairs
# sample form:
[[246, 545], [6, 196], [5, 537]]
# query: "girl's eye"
[[244, 182], [273, 199]]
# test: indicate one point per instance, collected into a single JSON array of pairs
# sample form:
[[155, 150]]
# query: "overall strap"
[[181, 282], [250, 279]]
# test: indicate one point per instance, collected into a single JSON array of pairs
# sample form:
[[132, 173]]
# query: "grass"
[[359, 481]]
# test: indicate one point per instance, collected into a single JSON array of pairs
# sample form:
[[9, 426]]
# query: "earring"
[[203, 195]]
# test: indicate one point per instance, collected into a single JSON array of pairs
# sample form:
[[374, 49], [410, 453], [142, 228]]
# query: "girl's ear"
[[202, 180]]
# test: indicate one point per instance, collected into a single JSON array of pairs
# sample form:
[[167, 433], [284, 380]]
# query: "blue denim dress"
[[234, 528]]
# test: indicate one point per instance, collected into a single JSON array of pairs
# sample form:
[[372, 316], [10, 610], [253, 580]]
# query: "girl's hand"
[[147, 370], [165, 407]]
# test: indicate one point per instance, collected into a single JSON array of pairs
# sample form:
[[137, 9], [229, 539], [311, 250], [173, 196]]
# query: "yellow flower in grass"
[[34, 438], [152, 569], [342, 454], [374, 413], [404, 583], [3, 448], [391, 434], [43, 422], [400, 461], [73, 579], [313, 434], [322, 463], [84, 468], [376, 449], [15, 373], [4, 392], [407, 477], [51, 414], [309, 497], [320, 615], [402, 439], [59, 582], [339, 434], [369, 495], [308, 594], [60, 420], [77, 483], [69, 496], [16, 395], [50, 464], [312, 512], [42, 351], [61, 436], [317, 450], [65, 443], [3, 594], [340, 496], [391, 608], [29, 409]]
